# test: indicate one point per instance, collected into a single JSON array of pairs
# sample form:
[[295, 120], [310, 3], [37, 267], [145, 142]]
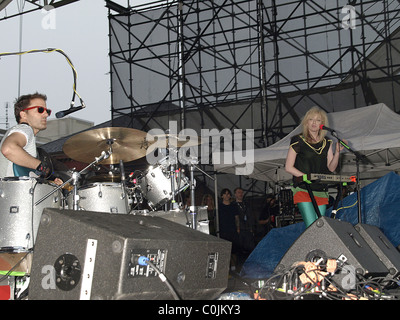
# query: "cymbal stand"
[[75, 197], [193, 212], [172, 156], [173, 178], [123, 182], [192, 166], [75, 177]]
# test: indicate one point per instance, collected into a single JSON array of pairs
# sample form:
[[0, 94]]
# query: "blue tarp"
[[380, 206]]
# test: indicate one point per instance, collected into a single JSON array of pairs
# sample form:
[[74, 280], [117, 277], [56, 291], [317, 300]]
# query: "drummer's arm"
[[12, 149]]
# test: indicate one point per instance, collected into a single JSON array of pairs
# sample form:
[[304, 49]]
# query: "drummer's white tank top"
[[6, 166]]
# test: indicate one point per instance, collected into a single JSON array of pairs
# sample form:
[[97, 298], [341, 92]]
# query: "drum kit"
[[23, 199]]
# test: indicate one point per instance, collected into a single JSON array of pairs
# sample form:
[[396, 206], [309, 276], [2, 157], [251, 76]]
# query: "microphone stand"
[[359, 158]]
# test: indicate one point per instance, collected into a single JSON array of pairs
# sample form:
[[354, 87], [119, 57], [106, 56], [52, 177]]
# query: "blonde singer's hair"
[[314, 111]]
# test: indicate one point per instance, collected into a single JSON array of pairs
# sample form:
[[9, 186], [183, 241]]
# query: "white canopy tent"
[[373, 131]]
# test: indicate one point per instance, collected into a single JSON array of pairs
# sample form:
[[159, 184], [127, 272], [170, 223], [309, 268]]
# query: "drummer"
[[18, 147]]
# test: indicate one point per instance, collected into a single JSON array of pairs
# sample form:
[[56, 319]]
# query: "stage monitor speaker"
[[328, 238], [94, 255], [382, 247]]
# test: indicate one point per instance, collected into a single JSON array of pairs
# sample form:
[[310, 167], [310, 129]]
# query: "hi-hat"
[[125, 144]]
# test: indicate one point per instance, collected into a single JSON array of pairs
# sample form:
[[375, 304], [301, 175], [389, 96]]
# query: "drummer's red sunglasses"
[[40, 109]]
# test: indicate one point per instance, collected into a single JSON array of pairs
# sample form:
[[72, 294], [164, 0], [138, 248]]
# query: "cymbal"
[[126, 144], [173, 140]]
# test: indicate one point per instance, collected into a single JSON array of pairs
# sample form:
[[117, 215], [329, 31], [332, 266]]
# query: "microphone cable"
[[143, 261], [51, 50]]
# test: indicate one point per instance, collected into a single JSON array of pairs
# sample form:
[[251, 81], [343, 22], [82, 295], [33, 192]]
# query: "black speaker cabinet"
[[94, 255], [382, 247], [329, 238]]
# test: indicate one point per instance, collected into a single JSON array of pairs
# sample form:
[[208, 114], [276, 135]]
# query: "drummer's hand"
[[58, 181], [42, 170]]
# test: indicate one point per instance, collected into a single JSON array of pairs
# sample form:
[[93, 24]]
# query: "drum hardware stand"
[[75, 176], [123, 182], [170, 165], [192, 166], [171, 150], [173, 186]]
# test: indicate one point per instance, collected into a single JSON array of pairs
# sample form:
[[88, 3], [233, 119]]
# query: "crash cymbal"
[[126, 144]]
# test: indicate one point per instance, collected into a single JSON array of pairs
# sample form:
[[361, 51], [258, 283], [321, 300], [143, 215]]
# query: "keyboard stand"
[[308, 187]]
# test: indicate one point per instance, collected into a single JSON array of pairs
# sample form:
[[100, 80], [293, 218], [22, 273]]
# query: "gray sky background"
[[79, 29]]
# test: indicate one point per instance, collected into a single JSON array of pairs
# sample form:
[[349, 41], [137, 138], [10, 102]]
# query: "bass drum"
[[101, 197], [19, 216]]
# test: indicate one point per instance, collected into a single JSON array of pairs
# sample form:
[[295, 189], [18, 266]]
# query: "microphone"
[[63, 113], [322, 127]]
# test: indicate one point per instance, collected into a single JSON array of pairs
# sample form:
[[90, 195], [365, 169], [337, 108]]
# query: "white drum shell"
[[101, 197], [156, 186], [19, 216]]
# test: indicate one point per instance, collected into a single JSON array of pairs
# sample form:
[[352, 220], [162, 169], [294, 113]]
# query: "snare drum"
[[101, 197], [19, 216], [156, 187]]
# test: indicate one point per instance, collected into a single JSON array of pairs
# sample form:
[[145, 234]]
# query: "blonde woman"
[[312, 152]]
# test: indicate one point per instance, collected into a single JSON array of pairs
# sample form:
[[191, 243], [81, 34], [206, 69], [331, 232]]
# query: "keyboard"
[[326, 178]]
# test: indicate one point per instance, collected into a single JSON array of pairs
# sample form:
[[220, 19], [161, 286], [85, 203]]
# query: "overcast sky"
[[79, 29]]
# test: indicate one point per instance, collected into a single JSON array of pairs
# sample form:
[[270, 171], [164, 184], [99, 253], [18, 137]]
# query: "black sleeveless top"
[[311, 158]]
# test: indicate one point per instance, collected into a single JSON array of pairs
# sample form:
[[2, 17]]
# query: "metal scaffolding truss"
[[251, 64], [16, 8]]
